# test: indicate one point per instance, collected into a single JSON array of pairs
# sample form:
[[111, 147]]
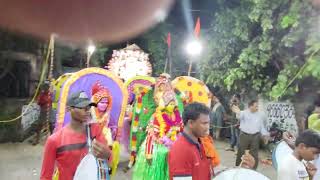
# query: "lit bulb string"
[[42, 76]]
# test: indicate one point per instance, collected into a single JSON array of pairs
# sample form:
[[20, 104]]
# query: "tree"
[[154, 43], [261, 45]]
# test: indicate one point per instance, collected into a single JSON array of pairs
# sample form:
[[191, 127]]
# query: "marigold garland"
[[135, 130], [165, 120]]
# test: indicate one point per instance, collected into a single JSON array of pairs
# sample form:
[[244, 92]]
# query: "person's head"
[[45, 85], [215, 98], [101, 96], [236, 97], [253, 106], [79, 106], [307, 145], [103, 104], [196, 119], [163, 82]]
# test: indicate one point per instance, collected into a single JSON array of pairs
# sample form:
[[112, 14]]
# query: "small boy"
[[307, 147]]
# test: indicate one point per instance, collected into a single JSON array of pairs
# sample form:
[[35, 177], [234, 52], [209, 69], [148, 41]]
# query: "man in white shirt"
[[251, 127], [307, 148], [290, 139]]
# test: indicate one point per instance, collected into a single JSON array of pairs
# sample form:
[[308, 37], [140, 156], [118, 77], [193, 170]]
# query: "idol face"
[[103, 104]]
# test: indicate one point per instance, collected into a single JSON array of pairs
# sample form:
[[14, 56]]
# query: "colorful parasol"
[[193, 90]]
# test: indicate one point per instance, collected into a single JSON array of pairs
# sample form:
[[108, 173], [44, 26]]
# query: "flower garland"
[[134, 130], [169, 120], [165, 120], [136, 122]]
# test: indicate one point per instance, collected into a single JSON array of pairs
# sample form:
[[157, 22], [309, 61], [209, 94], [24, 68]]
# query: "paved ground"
[[21, 161]]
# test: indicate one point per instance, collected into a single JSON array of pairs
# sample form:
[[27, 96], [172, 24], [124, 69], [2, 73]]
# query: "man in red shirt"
[[187, 158], [44, 101], [65, 148]]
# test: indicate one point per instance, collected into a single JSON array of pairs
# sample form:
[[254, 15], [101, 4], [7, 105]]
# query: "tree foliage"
[[263, 45], [154, 43]]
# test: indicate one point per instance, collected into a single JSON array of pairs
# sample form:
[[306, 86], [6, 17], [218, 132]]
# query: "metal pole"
[[50, 76], [190, 67], [165, 65], [51, 49], [88, 59], [170, 62]]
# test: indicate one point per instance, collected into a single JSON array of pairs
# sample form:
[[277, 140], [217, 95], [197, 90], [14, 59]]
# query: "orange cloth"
[[210, 150]]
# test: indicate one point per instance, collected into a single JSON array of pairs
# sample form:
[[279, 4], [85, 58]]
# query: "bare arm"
[[289, 139]]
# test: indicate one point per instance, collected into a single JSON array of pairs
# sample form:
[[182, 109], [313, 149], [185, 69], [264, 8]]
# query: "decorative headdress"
[[163, 79], [168, 97], [98, 92]]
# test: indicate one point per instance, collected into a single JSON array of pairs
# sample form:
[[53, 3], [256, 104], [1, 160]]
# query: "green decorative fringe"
[[159, 167]]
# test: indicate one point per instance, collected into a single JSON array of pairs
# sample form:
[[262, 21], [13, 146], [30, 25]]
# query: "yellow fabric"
[[57, 86], [314, 122], [108, 135], [115, 157], [199, 91], [56, 175]]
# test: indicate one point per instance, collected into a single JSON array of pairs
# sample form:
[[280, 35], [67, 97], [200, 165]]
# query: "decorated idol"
[[101, 113], [163, 129]]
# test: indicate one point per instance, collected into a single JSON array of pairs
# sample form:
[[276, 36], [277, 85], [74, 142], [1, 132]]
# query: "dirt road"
[[21, 161]]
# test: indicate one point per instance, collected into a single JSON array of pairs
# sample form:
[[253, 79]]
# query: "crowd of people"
[[246, 128], [304, 161], [186, 157], [180, 145]]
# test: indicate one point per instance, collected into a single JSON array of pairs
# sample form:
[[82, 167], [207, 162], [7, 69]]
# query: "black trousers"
[[248, 142]]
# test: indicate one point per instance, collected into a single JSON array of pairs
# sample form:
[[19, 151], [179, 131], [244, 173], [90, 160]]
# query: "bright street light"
[[91, 49], [194, 48]]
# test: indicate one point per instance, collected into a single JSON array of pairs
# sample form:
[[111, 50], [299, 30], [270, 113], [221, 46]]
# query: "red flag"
[[169, 40], [197, 28], [168, 63]]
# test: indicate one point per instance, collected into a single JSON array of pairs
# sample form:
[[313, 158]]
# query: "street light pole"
[[194, 49], [90, 50], [190, 67]]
